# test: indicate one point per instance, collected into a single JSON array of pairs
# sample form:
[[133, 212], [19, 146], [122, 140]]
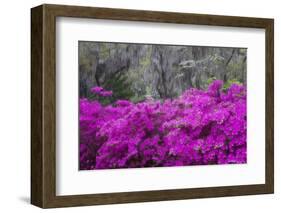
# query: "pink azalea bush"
[[101, 92], [197, 128]]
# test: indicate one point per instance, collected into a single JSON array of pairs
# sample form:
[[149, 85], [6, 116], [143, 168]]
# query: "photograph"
[[161, 105]]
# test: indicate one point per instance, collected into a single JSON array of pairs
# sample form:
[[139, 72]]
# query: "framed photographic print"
[[136, 106]]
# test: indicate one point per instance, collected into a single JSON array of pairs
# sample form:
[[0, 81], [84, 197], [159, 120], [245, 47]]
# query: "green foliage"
[[235, 67], [227, 84], [145, 61], [104, 51], [136, 98], [210, 80], [230, 82], [102, 100], [121, 87]]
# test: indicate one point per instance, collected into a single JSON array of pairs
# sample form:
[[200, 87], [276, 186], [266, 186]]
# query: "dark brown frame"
[[43, 105]]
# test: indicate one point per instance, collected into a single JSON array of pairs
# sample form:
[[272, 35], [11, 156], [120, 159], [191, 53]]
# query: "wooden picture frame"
[[43, 105]]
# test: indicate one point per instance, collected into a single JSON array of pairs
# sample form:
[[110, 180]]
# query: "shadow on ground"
[[24, 199]]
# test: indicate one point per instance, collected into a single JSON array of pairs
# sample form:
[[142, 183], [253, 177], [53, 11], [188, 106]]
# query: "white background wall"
[[15, 105]]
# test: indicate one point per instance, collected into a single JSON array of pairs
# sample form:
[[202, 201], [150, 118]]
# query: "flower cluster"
[[101, 92], [197, 128]]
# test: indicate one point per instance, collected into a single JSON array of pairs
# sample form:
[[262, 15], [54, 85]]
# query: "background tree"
[[141, 71]]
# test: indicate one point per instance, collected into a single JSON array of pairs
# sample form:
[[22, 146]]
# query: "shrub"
[[200, 127]]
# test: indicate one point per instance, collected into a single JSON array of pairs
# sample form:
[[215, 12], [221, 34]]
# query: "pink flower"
[[106, 93], [200, 127], [123, 103], [96, 90], [101, 91]]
